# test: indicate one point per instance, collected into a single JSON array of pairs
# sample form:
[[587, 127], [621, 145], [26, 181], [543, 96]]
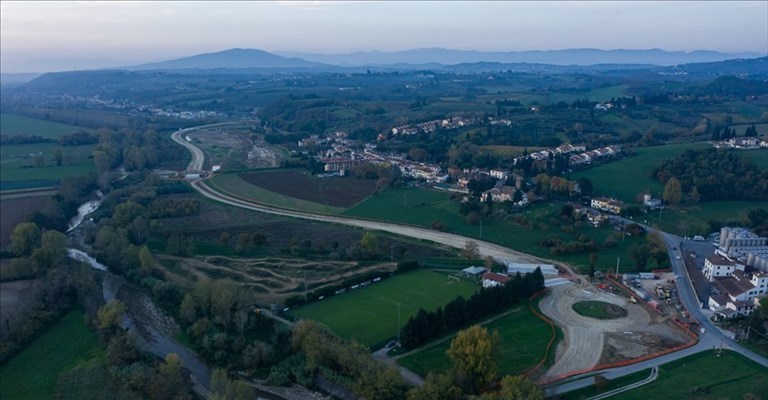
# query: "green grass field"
[[523, 342], [369, 315], [598, 310], [423, 207], [692, 219], [65, 360], [17, 125], [729, 376], [33, 165], [18, 163], [600, 94], [611, 179]]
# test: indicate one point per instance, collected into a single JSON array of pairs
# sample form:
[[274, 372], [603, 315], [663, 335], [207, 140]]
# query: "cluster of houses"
[[738, 272], [591, 156], [583, 157], [431, 126], [742, 143]]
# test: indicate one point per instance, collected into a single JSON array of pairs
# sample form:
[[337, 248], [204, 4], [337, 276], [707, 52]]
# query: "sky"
[[41, 36]]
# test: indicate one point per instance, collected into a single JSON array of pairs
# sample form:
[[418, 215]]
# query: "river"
[[153, 327]]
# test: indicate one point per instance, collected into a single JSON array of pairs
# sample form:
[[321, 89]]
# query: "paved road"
[[198, 157], [712, 337], [691, 302], [449, 239]]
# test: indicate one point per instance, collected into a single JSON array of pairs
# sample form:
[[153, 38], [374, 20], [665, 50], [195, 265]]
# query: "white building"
[[716, 266], [491, 279], [739, 294], [525, 268], [499, 174]]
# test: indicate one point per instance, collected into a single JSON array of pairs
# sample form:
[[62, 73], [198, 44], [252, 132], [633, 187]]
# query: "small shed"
[[474, 272]]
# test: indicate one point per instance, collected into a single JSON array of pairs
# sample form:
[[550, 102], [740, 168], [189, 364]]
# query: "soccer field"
[[369, 315]]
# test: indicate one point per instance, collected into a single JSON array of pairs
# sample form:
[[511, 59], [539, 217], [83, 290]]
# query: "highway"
[[712, 337]]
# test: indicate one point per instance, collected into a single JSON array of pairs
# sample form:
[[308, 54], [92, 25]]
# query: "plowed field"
[[334, 191]]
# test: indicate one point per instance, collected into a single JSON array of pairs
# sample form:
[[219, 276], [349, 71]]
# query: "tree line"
[[460, 312], [713, 174]]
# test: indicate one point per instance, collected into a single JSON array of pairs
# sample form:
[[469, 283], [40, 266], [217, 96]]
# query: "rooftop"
[[496, 277]]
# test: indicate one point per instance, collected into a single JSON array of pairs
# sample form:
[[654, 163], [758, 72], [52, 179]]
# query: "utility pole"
[[398, 323], [617, 266]]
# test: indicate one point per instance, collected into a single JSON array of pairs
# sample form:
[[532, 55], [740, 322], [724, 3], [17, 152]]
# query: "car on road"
[[677, 257]]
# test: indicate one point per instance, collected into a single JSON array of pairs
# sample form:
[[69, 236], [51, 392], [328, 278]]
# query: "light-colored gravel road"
[[448, 239], [584, 336]]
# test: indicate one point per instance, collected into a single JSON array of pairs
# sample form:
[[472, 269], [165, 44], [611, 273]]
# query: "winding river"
[[152, 326]]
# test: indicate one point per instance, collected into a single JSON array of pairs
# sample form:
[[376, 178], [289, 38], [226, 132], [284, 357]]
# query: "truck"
[[698, 238]]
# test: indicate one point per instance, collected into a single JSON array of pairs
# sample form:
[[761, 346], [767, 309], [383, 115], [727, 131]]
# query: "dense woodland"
[[713, 174]]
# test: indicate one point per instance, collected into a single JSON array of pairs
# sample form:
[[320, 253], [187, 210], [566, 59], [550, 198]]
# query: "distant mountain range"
[[553, 57], [694, 65], [432, 57], [228, 59]]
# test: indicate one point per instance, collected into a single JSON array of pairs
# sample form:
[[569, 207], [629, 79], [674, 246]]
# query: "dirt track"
[[585, 341], [272, 279]]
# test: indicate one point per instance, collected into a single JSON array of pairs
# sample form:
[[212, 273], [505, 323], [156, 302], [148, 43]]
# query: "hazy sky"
[[44, 36]]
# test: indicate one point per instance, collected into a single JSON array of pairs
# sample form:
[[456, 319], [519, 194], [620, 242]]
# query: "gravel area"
[[636, 334]]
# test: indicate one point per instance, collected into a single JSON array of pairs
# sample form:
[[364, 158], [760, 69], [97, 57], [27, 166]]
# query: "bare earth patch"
[[590, 342], [272, 279]]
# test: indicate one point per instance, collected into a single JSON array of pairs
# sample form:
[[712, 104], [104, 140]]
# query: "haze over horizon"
[[53, 36]]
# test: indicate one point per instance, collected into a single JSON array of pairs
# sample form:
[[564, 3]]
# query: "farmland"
[[34, 165], [423, 207], [55, 364], [369, 315], [523, 343], [234, 185], [334, 191], [15, 210], [17, 125]]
